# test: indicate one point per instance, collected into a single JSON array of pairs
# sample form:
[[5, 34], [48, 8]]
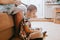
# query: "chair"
[[57, 15]]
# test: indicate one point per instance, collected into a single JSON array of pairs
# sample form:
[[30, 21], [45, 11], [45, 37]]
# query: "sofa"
[[6, 25]]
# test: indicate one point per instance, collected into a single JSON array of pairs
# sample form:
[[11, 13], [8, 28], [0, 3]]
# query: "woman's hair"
[[31, 8]]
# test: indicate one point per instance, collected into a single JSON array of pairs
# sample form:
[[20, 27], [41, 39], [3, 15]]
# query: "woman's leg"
[[36, 34]]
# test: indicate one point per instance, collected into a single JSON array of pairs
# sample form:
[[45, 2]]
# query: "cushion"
[[6, 21]]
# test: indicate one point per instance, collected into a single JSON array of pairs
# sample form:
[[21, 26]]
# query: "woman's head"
[[31, 10]]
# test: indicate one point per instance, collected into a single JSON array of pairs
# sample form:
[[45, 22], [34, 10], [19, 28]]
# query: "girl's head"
[[31, 10]]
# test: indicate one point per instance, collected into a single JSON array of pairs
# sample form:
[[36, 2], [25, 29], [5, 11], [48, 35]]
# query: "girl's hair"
[[31, 8]]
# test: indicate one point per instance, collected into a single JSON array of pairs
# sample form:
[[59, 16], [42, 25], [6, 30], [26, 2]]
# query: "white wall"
[[39, 4], [48, 10]]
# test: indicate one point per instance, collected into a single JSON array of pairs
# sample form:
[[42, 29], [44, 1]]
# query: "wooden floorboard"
[[44, 20]]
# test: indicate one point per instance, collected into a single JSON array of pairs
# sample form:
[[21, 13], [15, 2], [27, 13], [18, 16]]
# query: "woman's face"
[[31, 14]]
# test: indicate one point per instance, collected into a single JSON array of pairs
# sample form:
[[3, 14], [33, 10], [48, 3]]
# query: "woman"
[[32, 34], [31, 10]]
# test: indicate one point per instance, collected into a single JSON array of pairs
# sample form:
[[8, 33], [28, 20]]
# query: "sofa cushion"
[[6, 21]]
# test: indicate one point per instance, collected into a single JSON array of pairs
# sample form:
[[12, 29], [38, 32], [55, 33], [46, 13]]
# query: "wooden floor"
[[41, 20], [44, 20]]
